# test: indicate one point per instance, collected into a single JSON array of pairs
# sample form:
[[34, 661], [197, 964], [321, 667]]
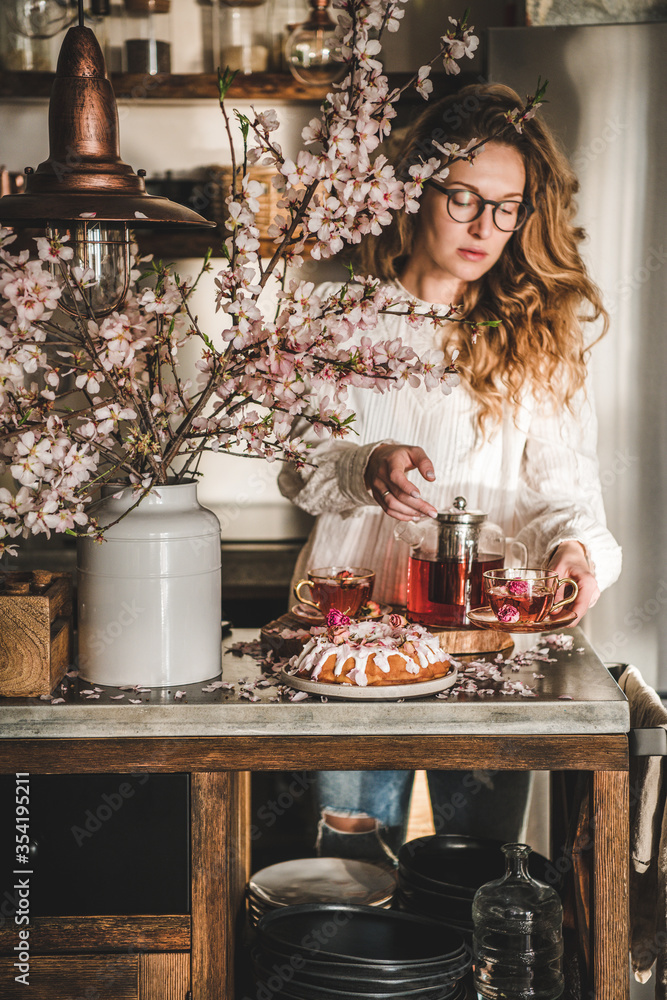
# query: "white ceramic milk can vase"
[[149, 595]]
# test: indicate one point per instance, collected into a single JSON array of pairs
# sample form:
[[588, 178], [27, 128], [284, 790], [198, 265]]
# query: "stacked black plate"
[[345, 952], [438, 876]]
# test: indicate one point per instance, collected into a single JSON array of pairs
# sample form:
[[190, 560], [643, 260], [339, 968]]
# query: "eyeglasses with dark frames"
[[466, 206]]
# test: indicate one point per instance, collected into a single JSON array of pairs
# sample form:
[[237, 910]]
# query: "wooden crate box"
[[35, 632]]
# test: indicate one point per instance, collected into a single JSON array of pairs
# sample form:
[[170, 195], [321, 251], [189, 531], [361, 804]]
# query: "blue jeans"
[[489, 804]]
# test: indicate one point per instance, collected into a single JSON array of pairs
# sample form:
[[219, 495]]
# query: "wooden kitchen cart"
[[578, 722]]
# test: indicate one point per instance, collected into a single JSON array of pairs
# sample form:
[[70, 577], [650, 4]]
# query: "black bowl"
[[382, 977], [461, 926], [407, 883], [437, 904], [455, 992], [356, 978], [452, 863], [360, 936], [306, 991], [458, 992]]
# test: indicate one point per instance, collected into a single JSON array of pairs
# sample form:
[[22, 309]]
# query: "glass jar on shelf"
[[110, 28], [147, 37], [244, 40], [97, 18], [209, 21], [284, 16]]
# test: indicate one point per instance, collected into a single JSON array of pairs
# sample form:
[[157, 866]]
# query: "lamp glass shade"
[[102, 252], [312, 52], [39, 18]]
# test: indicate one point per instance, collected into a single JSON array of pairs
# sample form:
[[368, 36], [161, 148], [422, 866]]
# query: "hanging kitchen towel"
[[648, 839]]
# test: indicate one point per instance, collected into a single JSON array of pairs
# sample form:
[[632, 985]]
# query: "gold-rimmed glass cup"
[[525, 596], [340, 588]]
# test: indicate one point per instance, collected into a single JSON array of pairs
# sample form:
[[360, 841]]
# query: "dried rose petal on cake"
[[396, 621], [336, 617], [507, 613], [518, 587]]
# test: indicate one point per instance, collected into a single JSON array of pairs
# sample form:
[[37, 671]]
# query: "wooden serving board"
[[458, 642], [35, 632], [270, 637], [466, 641]]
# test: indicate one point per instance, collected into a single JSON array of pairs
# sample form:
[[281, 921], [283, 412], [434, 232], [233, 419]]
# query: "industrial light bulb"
[[40, 18], [102, 252], [312, 49]]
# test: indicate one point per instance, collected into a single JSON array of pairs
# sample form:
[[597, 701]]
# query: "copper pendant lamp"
[[84, 190]]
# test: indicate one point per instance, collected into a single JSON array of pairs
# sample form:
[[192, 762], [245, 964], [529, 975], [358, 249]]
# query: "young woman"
[[517, 438]]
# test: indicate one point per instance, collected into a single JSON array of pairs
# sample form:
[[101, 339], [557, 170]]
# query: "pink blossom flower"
[[423, 85], [259, 368], [507, 613], [53, 250]]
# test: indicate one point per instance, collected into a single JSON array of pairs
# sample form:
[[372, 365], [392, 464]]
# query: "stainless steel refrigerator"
[[606, 103]]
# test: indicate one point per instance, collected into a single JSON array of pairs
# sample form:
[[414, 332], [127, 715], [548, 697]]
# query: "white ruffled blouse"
[[537, 476]]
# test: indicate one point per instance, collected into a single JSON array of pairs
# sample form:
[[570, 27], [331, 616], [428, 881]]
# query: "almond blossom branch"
[[142, 413]]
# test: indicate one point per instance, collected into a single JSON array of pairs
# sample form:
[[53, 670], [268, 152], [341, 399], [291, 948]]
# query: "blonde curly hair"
[[539, 289]]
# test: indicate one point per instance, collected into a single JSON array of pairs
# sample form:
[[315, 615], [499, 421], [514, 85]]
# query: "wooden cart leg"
[[610, 885], [220, 870]]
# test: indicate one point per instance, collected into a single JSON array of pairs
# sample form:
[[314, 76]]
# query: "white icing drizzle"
[[358, 641]]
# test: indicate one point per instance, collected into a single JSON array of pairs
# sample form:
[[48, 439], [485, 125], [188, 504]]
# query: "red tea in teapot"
[[442, 592]]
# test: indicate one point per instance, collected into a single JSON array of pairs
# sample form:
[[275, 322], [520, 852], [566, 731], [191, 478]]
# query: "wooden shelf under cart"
[[578, 724]]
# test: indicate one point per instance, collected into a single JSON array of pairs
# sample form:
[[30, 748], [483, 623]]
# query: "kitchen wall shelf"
[[178, 245], [204, 86]]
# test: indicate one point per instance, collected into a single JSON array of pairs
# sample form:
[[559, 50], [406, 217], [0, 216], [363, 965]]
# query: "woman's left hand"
[[569, 560]]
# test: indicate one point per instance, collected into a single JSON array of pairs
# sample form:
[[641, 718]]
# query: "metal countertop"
[[575, 695]]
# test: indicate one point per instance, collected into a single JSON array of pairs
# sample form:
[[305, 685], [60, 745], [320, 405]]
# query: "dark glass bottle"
[[518, 935]]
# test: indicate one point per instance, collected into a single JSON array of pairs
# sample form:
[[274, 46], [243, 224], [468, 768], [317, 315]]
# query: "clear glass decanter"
[[518, 940]]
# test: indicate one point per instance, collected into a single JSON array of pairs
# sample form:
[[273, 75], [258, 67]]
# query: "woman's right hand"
[[386, 478]]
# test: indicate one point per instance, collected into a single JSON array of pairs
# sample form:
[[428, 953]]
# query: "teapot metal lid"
[[459, 514]]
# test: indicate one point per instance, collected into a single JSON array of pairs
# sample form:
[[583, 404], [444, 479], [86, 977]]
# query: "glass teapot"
[[448, 556]]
